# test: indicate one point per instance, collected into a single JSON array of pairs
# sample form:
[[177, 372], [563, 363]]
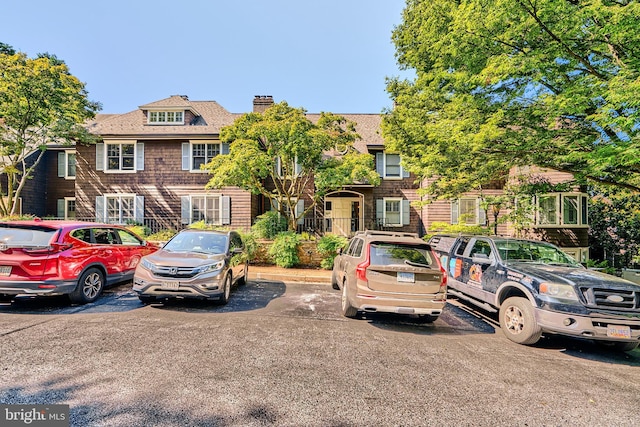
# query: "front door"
[[344, 216]]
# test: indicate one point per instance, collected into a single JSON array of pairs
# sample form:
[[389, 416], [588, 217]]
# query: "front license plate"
[[618, 331], [405, 277], [5, 270], [170, 285]]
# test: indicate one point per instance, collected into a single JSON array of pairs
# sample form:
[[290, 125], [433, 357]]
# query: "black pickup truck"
[[536, 288]]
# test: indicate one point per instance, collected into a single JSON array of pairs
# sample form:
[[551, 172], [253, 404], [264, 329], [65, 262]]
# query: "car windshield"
[[207, 243], [529, 251], [26, 236], [401, 254]]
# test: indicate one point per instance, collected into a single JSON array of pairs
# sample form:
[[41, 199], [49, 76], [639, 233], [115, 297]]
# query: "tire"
[[619, 345], [226, 292], [518, 321], [89, 287], [146, 299], [334, 281], [243, 280], [426, 318], [347, 309]]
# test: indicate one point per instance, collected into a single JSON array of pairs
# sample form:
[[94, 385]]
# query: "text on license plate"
[[5, 270], [618, 331], [170, 285], [403, 276]]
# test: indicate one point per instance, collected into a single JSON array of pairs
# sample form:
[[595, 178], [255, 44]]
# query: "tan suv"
[[390, 272]]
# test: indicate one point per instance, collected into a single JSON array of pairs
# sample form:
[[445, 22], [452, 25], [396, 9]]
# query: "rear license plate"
[[5, 270], [170, 285], [405, 277], [618, 331]]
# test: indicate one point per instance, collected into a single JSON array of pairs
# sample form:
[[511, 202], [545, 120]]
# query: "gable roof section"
[[367, 126], [211, 117]]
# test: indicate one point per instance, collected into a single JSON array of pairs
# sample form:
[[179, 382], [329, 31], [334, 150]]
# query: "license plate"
[[170, 285], [405, 277], [5, 270], [618, 331]]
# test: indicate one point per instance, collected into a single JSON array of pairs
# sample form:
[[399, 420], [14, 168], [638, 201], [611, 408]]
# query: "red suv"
[[42, 257]]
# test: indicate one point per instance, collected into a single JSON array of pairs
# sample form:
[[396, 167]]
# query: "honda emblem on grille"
[[615, 298], [173, 271]]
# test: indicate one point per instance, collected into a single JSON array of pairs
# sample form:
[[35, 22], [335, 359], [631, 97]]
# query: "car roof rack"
[[386, 233]]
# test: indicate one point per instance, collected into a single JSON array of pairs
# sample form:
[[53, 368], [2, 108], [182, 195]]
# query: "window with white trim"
[[388, 166], [392, 212], [211, 208], [292, 170], [165, 117], [67, 164], [201, 154], [120, 209], [467, 210], [562, 209], [69, 207], [120, 157]]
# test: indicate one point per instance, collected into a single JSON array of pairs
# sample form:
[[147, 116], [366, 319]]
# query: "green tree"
[[552, 83], [281, 154], [40, 103]]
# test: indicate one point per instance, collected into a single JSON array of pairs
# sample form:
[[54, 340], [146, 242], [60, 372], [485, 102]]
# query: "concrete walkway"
[[274, 273]]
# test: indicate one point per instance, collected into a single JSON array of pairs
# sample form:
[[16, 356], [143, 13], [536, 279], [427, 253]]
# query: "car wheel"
[[619, 345], [518, 321], [347, 309], [427, 318], [334, 281], [245, 274], [89, 287], [146, 299], [226, 291]]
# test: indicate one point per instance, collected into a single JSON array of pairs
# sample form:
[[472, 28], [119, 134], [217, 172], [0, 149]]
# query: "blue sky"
[[328, 55]]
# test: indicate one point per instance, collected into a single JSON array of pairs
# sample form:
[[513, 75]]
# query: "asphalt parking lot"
[[281, 354]]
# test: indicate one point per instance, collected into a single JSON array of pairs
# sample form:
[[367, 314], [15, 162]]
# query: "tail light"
[[51, 249], [443, 281], [361, 269]]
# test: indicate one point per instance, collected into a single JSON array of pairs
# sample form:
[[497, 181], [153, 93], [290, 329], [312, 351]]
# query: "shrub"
[[284, 250], [140, 230], [328, 246], [250, 245], [268, 225], [443, 227], [162, 235]]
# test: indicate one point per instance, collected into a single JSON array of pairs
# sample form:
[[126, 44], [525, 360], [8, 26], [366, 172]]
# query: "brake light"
[[51, 249], [443, 280], [361, 269]]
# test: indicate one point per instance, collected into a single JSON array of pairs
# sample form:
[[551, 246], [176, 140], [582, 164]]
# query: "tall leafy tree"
[[552, 83], [40, 103], [281, 154]]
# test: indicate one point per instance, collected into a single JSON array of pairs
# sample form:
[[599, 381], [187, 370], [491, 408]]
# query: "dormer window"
[[165, 117]]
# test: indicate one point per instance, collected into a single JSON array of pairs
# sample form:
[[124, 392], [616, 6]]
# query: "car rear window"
[[26, 236], [396, 253]]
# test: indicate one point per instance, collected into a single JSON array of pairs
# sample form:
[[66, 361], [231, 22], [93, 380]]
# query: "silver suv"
[[390, 272]]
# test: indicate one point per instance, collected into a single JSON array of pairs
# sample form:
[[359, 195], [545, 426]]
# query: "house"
[[146, 170]]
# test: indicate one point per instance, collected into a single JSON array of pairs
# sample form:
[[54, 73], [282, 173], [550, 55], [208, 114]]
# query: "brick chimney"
[[261, 103]]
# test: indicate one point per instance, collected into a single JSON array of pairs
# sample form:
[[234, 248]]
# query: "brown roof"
[[212, 118]]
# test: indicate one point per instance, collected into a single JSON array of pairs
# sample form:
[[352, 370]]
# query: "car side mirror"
[[481, 259]]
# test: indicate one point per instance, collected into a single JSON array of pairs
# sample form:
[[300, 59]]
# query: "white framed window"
[[198, 153], [67, 164], [467, 210], [299, 207], [562, 210], [165, 117], [388, 166], [120, 156], [393, 212], [67, 208], [294, 168], [120, 208], [211, 208]]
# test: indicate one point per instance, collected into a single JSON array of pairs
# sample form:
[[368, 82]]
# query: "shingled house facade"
[[146, 170]]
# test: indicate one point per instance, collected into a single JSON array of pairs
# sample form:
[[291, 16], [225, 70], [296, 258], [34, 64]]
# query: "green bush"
[[268, 225], [328, 246], [140, 230], [162, 235], [250, 245], [284, 250], [446, 228]]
